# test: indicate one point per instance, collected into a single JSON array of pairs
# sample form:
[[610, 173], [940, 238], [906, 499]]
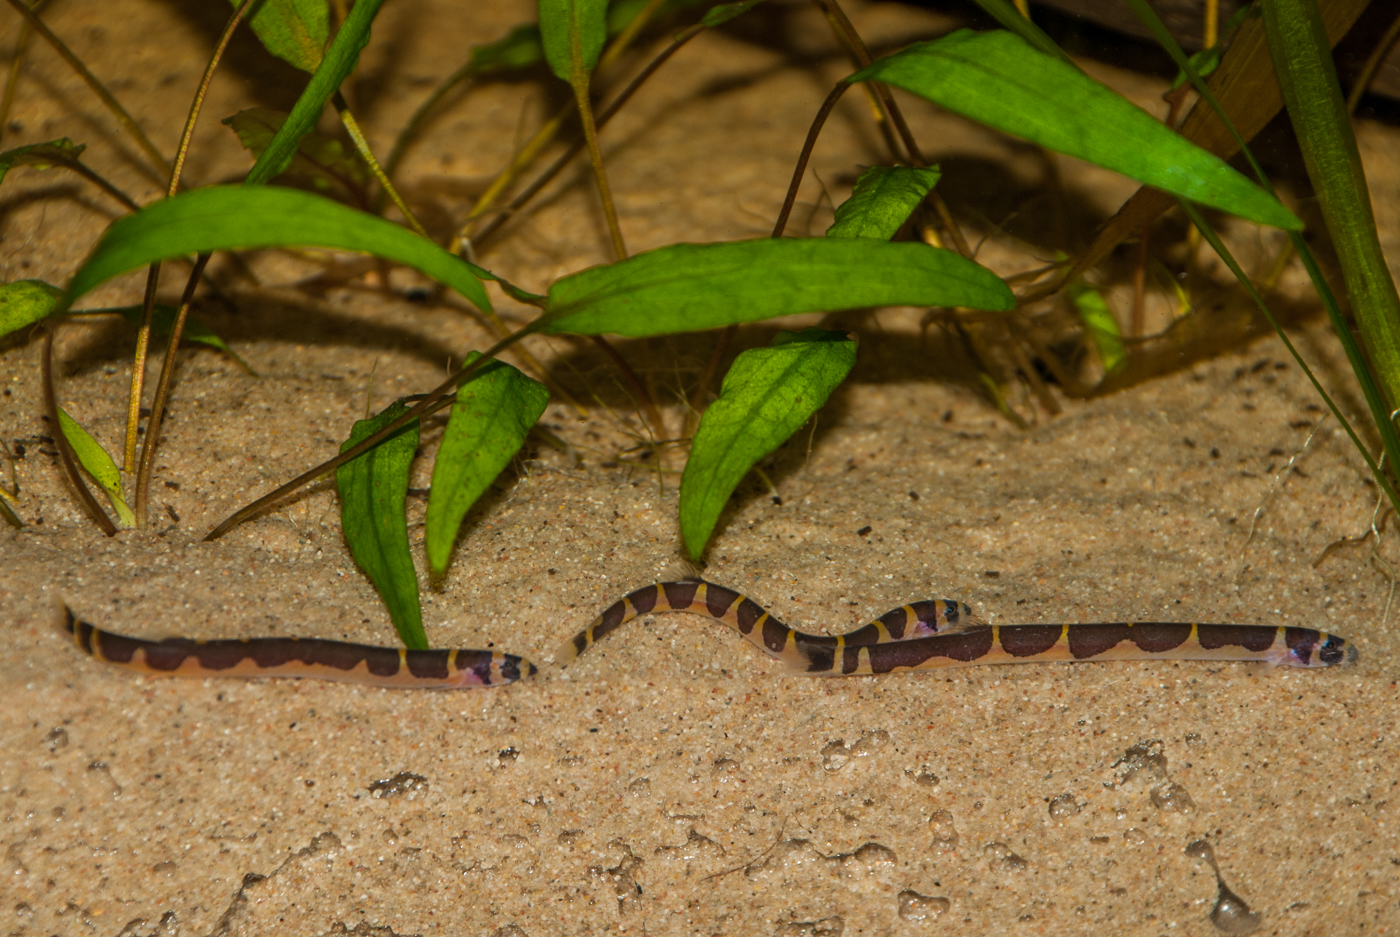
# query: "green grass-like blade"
[[293, 30], [339, 61], [883, 199], [25, 302], [490, 418], [995, 78], [62, 152], [236, 217], [1007, 15], [372, 491], [163, 319], [767, 395], [98, 464], [570, 28], [1308, 78], [690, 287]]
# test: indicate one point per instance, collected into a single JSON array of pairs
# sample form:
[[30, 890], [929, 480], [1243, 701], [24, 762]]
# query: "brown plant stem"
[[126, 120], [352, 127], [65, 451], [167, 373], [802, 159]]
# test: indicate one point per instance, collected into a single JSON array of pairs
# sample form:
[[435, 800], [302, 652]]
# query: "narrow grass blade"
[[25, 302], [997, 79], [1007, 15], [293, 30], [98, 464], [767, 395], [321, 164], [490, 418], [41, 155], [884, 198], [339, 61], [1318, 112], [573, 32], [372, 491], [724, 12], [692, 287], [163, 318], [1101, 323], [235, 217]]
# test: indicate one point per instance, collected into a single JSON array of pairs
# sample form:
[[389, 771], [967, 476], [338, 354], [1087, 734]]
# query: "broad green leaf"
[[1007, 15], [321, 164], [219, 218], [98, 464], [995, 78], [293, 30], [339, 61], [690, 287], [573, 32], [1101, 323], [372, 490], [884, 198], [60, 152], [25, 302], [767, 395], [490, 417]]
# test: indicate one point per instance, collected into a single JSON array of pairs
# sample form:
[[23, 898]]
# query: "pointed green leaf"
[[768, 394], [519, 48], [573, 30], [1102, 325], [339, 61], [163, 319], [995, 78], [883, 199], [1007, 15], [689, 287], [98, 464], [321, 164], [293, 30], [490, 418], [372, 491], [61, 152], [235, 217], [25, 302]]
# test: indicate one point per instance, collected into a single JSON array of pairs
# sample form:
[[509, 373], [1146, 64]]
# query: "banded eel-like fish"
[[932, 635], [299, 657]]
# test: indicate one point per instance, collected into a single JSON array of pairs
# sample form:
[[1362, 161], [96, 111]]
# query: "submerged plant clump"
[[894, 243]]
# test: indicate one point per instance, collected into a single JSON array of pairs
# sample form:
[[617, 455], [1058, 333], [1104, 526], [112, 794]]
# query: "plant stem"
[[167, 373], [1368, 71], [595, 156], [362, 145], [16, 63], [97, 87], [143, 332], [802, 158], [60, 441]]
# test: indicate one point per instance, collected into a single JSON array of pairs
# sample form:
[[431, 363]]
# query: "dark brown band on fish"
[[1013, 644], [743, 614], [299, 657]]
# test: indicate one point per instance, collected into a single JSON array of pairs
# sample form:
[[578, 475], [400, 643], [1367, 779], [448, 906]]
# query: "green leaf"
[[883, 200], [98, 464], [321, 164], [724, 12], [61, 152], [293, 30], [490, 418], [997, 79], [339, 62], [236, 217], [767, 395], [1007, 15], [573, 33], [690, 287], [25, 302], [163, 319], [1101, 323], [519, 48], [372, 491]]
